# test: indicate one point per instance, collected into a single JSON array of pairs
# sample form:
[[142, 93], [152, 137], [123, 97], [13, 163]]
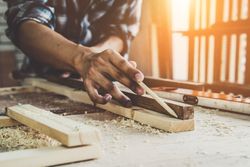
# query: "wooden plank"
[[247, 65], [16, 89], [49, 156], [164, 122], [68, 132], [227, 87], [232, 105], [228, 56], [6, 121], [237, 57], [218, 42], [183, 111], [160, 82], [192, 10]]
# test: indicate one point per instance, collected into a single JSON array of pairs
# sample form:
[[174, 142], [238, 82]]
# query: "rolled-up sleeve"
[[23, 10]]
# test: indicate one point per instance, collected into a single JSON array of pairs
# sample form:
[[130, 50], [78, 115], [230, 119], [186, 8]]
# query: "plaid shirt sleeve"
[[23, 10], [122, 21]]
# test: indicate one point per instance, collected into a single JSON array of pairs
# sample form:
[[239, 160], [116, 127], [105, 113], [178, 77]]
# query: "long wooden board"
[[222, 104], [183, 111], [157, 120], [67, 131], [48, 156]]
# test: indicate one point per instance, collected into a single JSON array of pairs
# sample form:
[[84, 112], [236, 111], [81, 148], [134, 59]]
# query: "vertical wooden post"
[[247, 65], [191, 41], [237, 56], [164, 34], [208, 5], [228, 49], [218, 42]]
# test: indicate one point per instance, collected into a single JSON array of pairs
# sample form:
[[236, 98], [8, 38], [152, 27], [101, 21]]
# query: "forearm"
[[47, 46], [113, 42]]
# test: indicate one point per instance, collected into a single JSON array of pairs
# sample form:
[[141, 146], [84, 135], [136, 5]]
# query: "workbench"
[[219, 138]]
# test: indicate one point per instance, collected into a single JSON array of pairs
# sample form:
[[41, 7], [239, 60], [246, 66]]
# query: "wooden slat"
[[191, 41], [49, 156], [226, 87], [218, 41], [230, 9], [229, 105], [237, 57], [154, 119], [247, 65], [68, 132], [248, 9], [160, 82], [206, 58], [228, 56], [239, 9], [164, 36], [208, 6]]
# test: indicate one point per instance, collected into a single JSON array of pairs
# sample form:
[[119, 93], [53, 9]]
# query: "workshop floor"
[[220, 139]]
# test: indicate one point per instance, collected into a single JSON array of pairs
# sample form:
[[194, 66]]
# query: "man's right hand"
[[98, 70]]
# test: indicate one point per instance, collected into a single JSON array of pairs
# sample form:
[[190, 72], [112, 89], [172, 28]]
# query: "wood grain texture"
[[68, 132], [49, 156], [158, 99], [157, 120]]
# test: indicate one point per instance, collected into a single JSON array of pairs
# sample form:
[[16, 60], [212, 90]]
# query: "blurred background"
[[190, 40]]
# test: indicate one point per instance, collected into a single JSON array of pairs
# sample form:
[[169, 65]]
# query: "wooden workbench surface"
[[220, 139]]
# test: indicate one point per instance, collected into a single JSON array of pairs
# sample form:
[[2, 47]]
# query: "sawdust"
[[120, 123], [213, 120], [23, 137]]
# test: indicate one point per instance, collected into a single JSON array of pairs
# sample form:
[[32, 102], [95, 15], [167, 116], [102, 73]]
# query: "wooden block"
[[66, 131], [6, 121], [183, 111], [49, 156], [157, 120]]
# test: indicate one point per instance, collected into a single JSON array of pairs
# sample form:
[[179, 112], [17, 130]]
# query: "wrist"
[[82, 53]]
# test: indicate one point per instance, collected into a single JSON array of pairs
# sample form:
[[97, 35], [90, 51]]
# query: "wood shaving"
[[123, 123], [23, 137]]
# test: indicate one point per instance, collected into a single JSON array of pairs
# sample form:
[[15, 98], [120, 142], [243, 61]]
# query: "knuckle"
[[123, 62], [99, 61], [118, 75], [109, 51], [91, 71]]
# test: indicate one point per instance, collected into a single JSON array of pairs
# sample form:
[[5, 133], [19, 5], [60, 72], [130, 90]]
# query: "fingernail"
[[127, 103], [107, 97], [138, 77], [140, 91]]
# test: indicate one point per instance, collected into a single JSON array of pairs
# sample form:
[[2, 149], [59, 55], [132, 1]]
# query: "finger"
[[122, 64], [112, 89], [122, 78], [133, 63], [94, 95]]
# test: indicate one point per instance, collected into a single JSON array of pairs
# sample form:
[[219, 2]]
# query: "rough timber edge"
[[49, 156]]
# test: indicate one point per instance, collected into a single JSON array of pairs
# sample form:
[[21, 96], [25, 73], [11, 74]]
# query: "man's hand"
[[98, 70]]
